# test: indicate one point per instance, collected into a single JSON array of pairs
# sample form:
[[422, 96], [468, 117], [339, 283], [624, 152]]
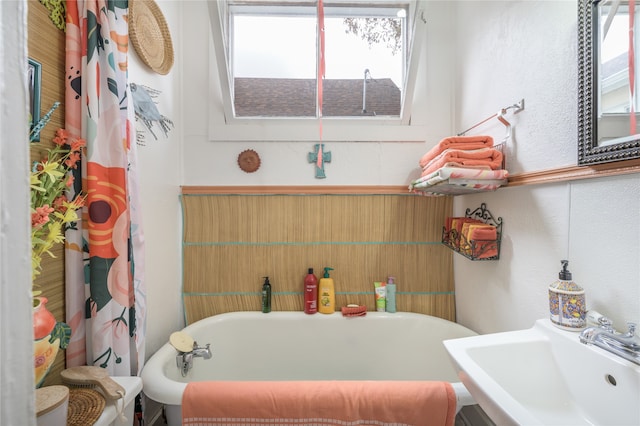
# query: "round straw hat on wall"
[[150, 36]]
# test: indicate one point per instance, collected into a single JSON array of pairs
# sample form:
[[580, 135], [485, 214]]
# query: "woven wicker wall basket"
[[150, 36]]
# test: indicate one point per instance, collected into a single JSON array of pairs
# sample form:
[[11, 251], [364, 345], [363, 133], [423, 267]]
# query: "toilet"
[[132, 386], [52, 404]]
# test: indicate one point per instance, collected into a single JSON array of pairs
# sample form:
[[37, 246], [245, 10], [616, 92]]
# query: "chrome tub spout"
[[184, 360], [202, 352]]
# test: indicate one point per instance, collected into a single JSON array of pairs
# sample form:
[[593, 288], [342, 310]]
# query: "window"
[[271, 50], [614, 57], [618, 102]]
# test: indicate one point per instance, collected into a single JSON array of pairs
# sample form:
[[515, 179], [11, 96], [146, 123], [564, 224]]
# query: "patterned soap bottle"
[[567, 302]]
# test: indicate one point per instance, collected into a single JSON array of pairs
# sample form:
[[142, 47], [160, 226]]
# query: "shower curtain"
[[105, 294]]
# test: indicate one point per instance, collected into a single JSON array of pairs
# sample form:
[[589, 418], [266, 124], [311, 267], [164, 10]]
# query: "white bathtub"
[[296, 346]]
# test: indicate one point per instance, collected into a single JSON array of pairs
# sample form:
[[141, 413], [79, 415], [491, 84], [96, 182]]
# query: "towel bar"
[[517, 107]]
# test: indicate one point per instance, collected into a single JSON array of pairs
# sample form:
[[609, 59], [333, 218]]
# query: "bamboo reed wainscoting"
[[46, 45], [232, 241]]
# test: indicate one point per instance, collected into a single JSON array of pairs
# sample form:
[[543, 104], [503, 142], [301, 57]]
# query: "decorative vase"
[[49, 336]]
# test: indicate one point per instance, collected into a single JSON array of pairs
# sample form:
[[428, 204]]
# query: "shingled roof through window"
[[290, 97]]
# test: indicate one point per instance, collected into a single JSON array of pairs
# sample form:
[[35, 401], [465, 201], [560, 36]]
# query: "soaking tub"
[[297, 346]]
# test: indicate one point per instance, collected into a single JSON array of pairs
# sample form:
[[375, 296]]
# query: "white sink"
[[545, 376]]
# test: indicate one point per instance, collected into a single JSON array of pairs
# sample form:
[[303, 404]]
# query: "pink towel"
[[457, 223], [354, 311], [454, 229], [485, 241], [481, 240], [319, 403], [484, 157], [457, 142]]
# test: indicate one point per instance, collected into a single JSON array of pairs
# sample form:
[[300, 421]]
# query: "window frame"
[[306, 128]]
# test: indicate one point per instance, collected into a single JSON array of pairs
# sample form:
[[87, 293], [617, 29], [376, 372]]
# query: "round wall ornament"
[[249, 161]]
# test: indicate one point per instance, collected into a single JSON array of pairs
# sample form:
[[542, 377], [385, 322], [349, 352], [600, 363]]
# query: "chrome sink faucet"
[[604, 335], [184, 360]]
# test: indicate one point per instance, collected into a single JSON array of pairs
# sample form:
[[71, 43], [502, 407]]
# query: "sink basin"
[[545, 376]]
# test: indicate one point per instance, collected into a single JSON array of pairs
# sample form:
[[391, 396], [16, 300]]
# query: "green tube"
[[381, 296]]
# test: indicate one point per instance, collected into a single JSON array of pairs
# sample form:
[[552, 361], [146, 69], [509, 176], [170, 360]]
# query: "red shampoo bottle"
[[310, 293]]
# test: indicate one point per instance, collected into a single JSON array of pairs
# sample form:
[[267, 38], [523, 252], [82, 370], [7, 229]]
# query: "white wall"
[[528, 49], [191, 98], [479, 57], [160, 163], [285, 163]]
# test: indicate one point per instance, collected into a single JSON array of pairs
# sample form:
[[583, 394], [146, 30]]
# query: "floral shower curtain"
[[105, 295]]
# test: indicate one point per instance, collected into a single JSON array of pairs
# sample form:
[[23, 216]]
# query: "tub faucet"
[[202, 352], [625, 345], [184, 360]]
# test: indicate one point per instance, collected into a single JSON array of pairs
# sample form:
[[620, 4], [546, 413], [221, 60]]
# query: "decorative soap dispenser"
[[567, 302]]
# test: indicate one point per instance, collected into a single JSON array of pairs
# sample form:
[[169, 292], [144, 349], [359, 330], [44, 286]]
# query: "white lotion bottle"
[[391, 295]]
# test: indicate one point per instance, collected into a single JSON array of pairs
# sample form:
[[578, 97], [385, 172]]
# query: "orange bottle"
[[326, 294]]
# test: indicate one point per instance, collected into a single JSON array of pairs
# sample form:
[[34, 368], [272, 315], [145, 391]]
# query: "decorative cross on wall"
[[319, 157]]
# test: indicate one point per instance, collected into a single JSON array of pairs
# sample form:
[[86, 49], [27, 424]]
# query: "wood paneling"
[[571, 173]]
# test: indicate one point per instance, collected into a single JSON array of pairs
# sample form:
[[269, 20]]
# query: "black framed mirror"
[[608, 100]]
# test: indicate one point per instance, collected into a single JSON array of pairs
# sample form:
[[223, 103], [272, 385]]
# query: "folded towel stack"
[[457, 142], [457, 155], [475, 152], [453, 230], [480, 240], [483, 159], [459, 180], [471, 237]]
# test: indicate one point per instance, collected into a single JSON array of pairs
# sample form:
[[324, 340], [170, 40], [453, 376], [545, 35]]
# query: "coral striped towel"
[[343, 403], [457, 142]]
